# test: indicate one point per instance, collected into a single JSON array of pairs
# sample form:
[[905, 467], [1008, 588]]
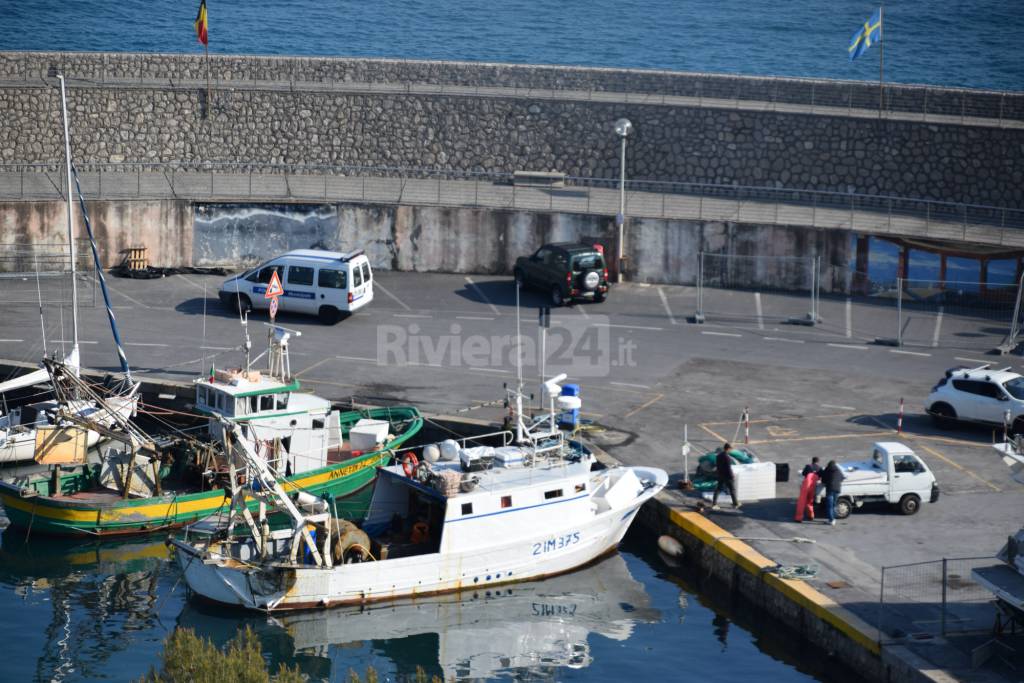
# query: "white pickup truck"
[[894, 474]]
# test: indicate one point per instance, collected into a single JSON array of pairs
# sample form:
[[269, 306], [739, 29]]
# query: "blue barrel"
[[570, 418]]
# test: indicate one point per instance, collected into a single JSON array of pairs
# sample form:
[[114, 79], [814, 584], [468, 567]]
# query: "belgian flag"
[[200, 23]]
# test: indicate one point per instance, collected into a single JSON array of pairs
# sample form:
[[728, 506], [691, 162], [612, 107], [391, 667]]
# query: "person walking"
[[726, 482], [832, 476], [805, 502]]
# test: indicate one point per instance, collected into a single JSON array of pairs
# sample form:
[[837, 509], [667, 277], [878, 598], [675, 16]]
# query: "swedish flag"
[[869, 34]]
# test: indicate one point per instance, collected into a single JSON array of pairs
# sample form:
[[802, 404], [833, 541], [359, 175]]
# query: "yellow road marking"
[[646, 405], [819, 438], [712, 432], [781, 419], [960, 467], [314, 365], [780, 432]]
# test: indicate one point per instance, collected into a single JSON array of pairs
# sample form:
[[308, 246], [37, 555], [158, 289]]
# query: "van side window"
[[300, 275], [263, 275], [357, 277], [366, 272], [332, 279]]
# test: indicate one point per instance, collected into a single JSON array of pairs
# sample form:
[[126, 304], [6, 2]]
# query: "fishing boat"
[[537, 504], [148, 485]]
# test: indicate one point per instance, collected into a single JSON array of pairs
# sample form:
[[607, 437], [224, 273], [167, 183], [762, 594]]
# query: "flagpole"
[[881, 59]]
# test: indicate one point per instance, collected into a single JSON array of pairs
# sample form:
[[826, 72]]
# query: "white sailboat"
[[18, 427], [535, 506]]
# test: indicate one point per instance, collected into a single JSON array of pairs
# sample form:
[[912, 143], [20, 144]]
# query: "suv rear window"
[[592, 261]]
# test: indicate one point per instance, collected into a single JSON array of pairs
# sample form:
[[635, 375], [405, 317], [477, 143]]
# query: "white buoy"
[[431, 453], [449, 450], [670, 546]]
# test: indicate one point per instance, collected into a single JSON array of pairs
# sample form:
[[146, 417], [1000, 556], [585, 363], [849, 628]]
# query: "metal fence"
[[215, 181], [785, 288], [937, 598], [40, 274]]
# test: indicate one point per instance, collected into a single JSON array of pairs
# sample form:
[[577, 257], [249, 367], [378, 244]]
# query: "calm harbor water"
[[91, 611], [943, 42]]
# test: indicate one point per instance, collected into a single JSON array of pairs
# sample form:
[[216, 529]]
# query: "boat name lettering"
[[541, 609], [349, 469], [556, 543]]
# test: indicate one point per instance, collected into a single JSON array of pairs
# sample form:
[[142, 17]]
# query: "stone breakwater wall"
[[269, 111]]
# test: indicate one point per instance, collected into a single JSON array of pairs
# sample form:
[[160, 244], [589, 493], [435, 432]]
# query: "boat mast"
[[71, 225]]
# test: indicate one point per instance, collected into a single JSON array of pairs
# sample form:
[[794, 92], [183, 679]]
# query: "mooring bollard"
[[899, 419]]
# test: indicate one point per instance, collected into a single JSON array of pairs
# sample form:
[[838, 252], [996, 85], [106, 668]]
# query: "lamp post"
[[623, 128]]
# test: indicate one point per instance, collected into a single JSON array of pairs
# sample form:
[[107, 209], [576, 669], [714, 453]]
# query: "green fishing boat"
[[319, 452]]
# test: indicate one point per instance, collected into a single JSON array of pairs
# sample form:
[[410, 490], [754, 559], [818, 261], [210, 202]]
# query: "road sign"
[[544, 317], [273, 308], [274, 289]]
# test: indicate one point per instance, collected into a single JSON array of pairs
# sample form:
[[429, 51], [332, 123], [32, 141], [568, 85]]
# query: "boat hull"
[[563, 547], [111, 515]]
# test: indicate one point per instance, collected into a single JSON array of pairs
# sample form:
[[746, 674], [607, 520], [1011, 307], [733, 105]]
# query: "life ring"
[[409, 464]]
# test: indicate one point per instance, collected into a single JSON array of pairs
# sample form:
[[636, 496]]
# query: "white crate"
[[366, 434]]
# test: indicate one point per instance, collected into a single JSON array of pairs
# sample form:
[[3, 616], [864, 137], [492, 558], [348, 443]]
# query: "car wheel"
[[520, 280], [241, 303], [557, 298], [943, 414], [328, 315], [910, 503], [844, 506]]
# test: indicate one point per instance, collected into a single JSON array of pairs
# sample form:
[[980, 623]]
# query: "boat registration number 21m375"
[[556, 543]]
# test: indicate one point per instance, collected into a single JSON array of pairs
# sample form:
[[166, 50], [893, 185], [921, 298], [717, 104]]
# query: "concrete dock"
[[440, 342]]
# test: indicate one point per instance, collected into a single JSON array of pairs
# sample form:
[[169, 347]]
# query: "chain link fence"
[[936, 598], [40, 274], [785, 289]]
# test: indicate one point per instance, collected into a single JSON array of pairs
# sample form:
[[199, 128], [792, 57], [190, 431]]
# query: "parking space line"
[[144, 344], [378, 285], [824, 437], [134, 301], [12, 341], [664, 303], [973, 360], [960, 467], [720, 334], [498, 370], [856, 347], [627, 384], [410, 315], [760, 315], [938, 326], [69, 341], [782, 339], [830, 405], [713, 433], [646, 405], [494, 309], [201, 289], [367, 360], [579, 309], [910, 353], [314, 365], [781, 419], [630, 327], [473, 317], [218, 348]]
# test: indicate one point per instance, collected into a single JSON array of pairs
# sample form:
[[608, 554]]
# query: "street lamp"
[[623, 128]]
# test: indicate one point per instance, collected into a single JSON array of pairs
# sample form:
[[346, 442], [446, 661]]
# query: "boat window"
[[580, 488], [366, 272], [201, 396], [300, 275], [254, 404], [282, 401], [266, 402], [332, 279], [467, 508], [357, 276], [1015, 387], [506, 501], [557, 493], [318, 424]]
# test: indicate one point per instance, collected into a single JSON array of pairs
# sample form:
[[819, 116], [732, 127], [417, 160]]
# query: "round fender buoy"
[[409, 463], [670, 546]]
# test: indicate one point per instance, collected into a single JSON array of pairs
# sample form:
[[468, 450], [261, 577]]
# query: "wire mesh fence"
[[785, 288], [40, 274], [951, 314], [937, 598]]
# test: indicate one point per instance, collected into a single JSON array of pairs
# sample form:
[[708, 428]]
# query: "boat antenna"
[[519, 344], [71, 224], [39, 295]]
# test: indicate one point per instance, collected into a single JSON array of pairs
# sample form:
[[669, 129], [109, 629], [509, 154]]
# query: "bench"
[[538, 178]]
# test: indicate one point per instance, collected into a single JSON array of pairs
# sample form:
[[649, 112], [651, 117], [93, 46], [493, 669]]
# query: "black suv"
[[566, 270]]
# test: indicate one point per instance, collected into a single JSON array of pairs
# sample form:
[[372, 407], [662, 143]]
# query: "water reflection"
[[521, 630], [96, 592]]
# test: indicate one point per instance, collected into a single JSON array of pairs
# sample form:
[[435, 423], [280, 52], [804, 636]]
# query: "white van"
[[328, 284]]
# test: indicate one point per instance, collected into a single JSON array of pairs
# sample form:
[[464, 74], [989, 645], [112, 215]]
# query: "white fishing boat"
[[20, 426], [535, 505]]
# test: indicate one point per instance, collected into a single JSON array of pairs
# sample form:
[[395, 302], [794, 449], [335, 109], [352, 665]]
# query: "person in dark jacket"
[[723, 465], [832, 477], [812, 466]]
